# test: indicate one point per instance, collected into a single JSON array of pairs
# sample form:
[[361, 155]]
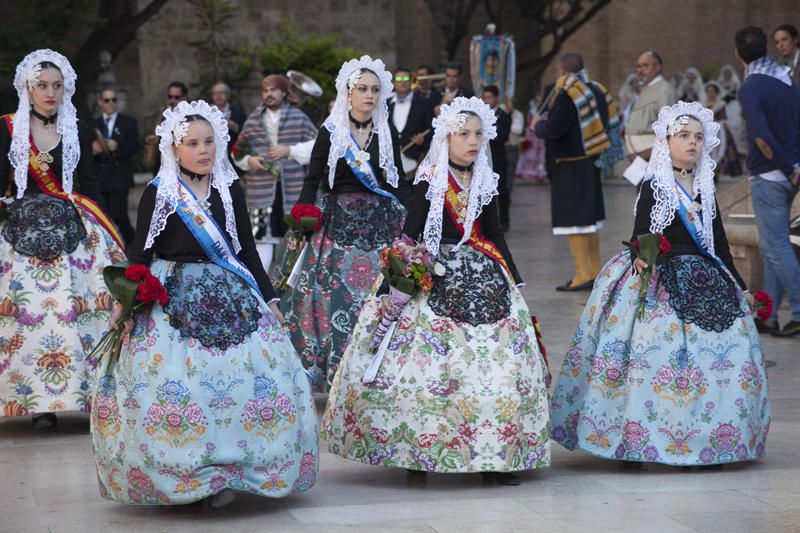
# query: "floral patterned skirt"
[[208, 394], [54, 304], [672, 388], [456, 391], [339, 271]]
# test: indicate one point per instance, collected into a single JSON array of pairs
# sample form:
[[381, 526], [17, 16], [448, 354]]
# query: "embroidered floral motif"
[[211, 305], [700, 292], [44, 227], [174, 418], [364, 220], [682, 384], [473, 291]]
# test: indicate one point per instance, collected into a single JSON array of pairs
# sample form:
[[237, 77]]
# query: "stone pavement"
[[48, 479]]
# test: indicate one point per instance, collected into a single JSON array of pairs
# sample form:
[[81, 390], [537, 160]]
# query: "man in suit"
[[453, 73], [491, 96], [411, 114], [116, 142], [221, 97]]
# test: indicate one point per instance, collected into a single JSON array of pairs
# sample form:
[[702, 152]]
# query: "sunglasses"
[[109, 100], [401, 79], [174, 96]]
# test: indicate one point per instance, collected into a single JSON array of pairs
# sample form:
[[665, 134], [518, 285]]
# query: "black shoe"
[[45, 420], [502, 478], [767, 326], [568, 287], [789, 330]]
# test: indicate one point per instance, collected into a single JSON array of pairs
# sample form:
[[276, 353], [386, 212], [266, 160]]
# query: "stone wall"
[[165, 55], [686, 32]]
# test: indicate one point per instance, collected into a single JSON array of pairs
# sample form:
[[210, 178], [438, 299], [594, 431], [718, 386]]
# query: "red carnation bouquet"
[[5, 208], [762, 306], [651, 248], [303, 220], [135, 288]]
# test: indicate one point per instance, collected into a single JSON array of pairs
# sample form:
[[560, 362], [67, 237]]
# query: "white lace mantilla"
[[338, 122], [660, 171], [435, 168], [222, 176], [26, 77]]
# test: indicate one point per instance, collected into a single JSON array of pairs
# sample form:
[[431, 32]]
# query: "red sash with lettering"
[[455, 203], [50, 184]]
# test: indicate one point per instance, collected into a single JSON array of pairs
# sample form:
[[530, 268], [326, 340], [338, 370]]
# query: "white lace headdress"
[[671, 119], [25, 79], [171, 132], [338, 122], [435, 168]]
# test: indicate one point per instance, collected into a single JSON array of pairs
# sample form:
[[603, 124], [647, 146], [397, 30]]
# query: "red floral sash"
[[50, 184], [456, 208]]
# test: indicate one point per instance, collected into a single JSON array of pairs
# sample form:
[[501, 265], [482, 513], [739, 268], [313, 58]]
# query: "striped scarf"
[[615, 152], [593, 131], [295, 127]]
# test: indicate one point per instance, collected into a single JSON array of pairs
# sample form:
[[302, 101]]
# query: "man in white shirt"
[[411, 114]]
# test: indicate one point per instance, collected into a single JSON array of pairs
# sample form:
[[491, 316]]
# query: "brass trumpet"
[[437, 80]]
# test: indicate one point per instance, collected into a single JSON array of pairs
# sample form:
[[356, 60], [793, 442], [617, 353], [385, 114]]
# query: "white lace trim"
[[435, 169], [222, 176], [66, 125], [662, 179], [338, 122]]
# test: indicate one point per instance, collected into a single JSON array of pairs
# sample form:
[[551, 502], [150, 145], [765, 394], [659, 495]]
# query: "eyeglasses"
[[174, 96], [401, 79], [109, 100]]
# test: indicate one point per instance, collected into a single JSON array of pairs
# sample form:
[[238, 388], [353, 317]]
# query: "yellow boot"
[[579, 246], [593, 255]]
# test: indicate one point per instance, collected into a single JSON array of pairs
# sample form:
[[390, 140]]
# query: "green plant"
[[318, 56], [220, 60]]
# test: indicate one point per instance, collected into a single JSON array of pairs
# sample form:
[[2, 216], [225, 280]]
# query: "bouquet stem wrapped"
[[651, 248], [407, 267], [136, 289], [304, 220]]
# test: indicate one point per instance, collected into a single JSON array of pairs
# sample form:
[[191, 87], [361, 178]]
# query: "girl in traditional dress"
[[725, 155], [685, 383], [208, 396], [353, 166], [461, 387], [531, 164], [54, 243], [691, 88]]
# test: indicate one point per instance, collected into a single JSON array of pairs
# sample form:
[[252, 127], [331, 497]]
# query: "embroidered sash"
[[692, 220], [456, 208], [50, 184], [363, 169], [209, 235]]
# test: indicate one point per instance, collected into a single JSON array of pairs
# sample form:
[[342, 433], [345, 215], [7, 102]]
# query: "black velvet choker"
[[682, 171], [193, 175], [460, 168], [358, 124], [46, 120]]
